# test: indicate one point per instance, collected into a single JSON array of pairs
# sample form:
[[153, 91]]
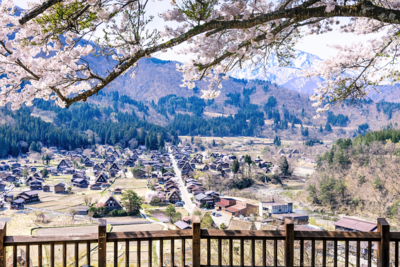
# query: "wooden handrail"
[[339, 236], [153, 235], [49, 239], [179, 234], [289, 243], [247, 234], [196, 250], [384, 244], [394, 236], [290, 239]]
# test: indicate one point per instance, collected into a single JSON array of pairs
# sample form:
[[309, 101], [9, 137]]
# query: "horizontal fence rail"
[[198, 247]]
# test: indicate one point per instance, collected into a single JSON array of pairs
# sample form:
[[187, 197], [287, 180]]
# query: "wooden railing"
[[197, 247]]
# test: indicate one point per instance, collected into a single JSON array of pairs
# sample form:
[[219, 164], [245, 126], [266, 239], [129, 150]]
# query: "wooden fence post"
[[384, 243], [102, 243], [289, 243], [196, 242], [3, 231]]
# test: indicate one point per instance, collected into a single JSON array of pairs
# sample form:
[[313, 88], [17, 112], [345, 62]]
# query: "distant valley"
[[158, 79], [251, 104]]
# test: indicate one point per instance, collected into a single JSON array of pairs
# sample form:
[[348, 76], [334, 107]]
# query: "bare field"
[[130, 183], [215, 114], [137, 227]]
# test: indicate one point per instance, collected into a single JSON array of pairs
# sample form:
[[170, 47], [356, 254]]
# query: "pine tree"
[[284, 165], [247, 159], [235, 166], [147, 142], [14, 149], [25, 172], [163, 170], [328, 127], [161, 142], [33, 147], [47, 159], [38, 147], [45, 172], [154, 142], [277, 141], [93, 139]]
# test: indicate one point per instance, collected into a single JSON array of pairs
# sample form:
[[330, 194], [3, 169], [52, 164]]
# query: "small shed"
[[182, 225], [36, 185], [8, 197], [59, 188], [46, 188], [18, 203], [95, 186], [117, 191], [82, 210]]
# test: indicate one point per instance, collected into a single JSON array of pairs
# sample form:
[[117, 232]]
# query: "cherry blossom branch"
[[296, 13], [224, 36], [38, 10]]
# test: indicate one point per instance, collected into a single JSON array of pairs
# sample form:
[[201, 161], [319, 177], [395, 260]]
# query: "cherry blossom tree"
[[44, 51], [152, 194]]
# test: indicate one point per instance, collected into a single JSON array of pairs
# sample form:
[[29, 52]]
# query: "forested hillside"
[[157, 106], [245, 107], [79, 126], [360, 175]]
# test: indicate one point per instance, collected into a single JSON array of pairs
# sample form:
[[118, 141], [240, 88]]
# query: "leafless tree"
[[88, 200], [73, 212]]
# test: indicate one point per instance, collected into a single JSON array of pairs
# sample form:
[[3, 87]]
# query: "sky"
[[313, 44]]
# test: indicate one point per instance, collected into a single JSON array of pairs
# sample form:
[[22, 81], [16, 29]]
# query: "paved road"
[[185, 194], [224, 218]]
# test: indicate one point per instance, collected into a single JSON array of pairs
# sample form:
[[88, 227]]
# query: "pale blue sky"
[[315, 44]]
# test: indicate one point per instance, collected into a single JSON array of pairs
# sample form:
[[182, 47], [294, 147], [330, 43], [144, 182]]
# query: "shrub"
[[113, 213], [122, 213], [155, 201]]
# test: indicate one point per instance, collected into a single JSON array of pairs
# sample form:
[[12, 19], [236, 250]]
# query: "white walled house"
[[267, 208]]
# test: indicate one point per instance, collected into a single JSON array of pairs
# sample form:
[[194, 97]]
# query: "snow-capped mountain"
[[290, 77]]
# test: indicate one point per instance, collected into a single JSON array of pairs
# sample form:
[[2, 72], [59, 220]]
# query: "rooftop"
[[355, 224], [182, 225], [235, 208]]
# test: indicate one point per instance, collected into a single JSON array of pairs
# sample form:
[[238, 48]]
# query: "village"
[[73, 182]]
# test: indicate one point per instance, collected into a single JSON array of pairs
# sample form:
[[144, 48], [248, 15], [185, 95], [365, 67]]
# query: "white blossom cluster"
[[35, 63], [41, 65], [40, 59], [348, 75]]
